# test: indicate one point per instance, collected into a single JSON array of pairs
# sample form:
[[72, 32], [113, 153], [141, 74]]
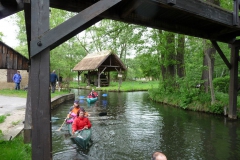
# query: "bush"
[[216, 108], [221, 84]]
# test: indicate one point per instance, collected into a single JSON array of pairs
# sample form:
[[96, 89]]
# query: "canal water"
[[129, 126]]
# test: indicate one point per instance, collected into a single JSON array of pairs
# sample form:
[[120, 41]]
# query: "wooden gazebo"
[[99, 65]]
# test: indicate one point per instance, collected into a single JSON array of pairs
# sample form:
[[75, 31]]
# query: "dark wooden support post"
[[28, 111], [99, 80], [28, 114], [233, 87], [78, 77], [39, 77], [108, 78]]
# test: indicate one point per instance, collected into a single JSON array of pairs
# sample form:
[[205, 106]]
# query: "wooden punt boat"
[[92, 100], [81, 138]]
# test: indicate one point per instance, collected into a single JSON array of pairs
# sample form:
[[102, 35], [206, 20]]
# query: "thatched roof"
[[100, 60]]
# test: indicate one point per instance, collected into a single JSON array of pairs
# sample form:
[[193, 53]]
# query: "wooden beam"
[[9, 7], [69, 26], [27, 15], [220, 52], [72, 34], [40, 93], [233, 85], [131, 7], [201, 9]]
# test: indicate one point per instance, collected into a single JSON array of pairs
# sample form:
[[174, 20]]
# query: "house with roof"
[[12, 61], [98, 66]]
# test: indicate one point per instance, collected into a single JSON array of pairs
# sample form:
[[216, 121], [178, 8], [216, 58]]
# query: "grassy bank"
[[15, 149], [194, 100], [23, 94], [126, 86]]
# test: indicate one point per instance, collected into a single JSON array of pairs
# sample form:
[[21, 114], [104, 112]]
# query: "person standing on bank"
[[53, 80], [17, 80]]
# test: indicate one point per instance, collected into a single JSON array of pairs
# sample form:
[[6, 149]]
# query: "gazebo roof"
[[100, 60]]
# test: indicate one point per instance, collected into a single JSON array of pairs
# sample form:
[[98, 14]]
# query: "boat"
[[81, 138], [92, 100]]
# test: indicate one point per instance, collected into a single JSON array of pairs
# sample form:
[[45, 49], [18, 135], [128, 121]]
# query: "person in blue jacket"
[[17, 80], [53, 80]]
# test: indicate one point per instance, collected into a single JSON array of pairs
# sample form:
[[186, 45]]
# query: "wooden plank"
[[10, 59], [40, 94], [69, 26], [4, 57], [19, 62], [1, 56], [201, 9]]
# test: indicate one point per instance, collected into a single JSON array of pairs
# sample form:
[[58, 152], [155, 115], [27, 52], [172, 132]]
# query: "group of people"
[[17, 78], [78, 117]]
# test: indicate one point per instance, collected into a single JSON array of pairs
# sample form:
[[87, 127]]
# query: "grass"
[[15, 123], [15, 149], [125, 86], [23, 94], [2, 118]]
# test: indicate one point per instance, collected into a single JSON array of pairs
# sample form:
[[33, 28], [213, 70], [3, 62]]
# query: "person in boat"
[[73, 112], [81, 122], [158, 156], [93, 94]]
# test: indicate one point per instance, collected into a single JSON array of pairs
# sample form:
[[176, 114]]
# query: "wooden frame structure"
[[99, 63], [190, 17]]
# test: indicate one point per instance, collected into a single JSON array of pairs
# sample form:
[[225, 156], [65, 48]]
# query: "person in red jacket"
[[81, 122]]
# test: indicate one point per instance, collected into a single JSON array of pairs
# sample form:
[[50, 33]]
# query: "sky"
[[9, 30]]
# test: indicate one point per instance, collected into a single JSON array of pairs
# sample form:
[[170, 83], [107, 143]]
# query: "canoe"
[[92, 100], [81, 138]]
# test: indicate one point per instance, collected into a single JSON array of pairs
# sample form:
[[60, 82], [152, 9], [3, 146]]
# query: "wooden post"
[[40, 76], [99, 79], [233, 85]]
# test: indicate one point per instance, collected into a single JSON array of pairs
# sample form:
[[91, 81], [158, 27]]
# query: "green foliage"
[[125, 86], [1, 135], [221, 84], [15, 149], [2, 118], [1, 35], [216, 108]]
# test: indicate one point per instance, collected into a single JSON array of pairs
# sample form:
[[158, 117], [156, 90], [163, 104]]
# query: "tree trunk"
[[208, 61], [180, 56]]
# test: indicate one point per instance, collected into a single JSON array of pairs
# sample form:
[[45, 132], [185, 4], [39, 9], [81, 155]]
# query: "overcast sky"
[[9, 31]]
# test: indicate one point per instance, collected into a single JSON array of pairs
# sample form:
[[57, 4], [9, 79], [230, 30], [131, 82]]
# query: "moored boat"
[[81, 137]]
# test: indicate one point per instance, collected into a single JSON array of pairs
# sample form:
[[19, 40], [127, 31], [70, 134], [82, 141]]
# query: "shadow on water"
[[127, 126]]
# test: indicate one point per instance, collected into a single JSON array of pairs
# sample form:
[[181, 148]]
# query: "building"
[[98, 66], [10, 62]]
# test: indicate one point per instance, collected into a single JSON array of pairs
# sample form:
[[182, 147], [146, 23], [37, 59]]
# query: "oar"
[[62, 124]]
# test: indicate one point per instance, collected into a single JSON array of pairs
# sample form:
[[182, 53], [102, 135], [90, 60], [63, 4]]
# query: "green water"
[[135, 127]]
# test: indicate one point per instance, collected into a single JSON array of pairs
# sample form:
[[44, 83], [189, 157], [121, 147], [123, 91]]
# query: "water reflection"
[[129, 126]]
